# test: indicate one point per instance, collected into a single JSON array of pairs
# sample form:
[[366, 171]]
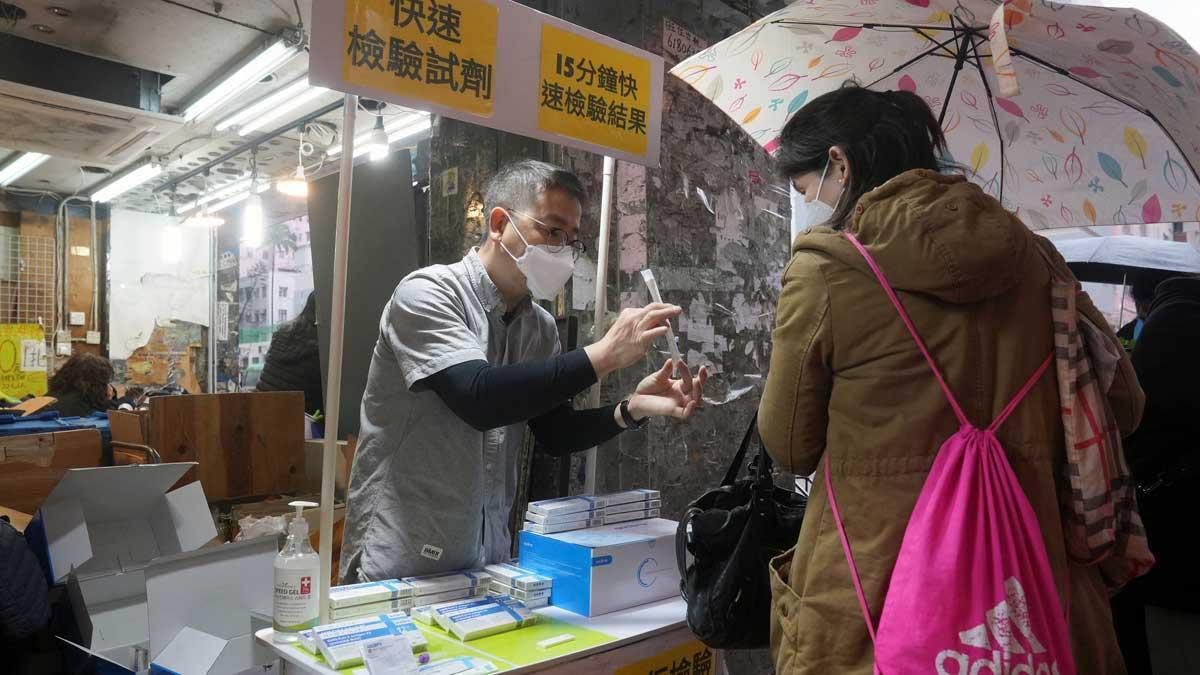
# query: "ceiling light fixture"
[[23, 164], [208, 196], [60, 11], [296, 186], [42, 28], [252, 221], [377, 142], [398, 129], [126, 181], [282, 109], [241, 79], [235, 199], [270, 108]]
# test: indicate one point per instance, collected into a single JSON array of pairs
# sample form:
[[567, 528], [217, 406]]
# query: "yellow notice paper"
[[691, 657], [23, 358], [443, 52], [593, 92]]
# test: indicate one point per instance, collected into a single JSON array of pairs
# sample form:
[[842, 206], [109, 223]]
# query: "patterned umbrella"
[[1070, 115]]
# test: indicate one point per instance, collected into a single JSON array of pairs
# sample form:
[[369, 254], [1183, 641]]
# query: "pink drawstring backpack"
[[972, 592]]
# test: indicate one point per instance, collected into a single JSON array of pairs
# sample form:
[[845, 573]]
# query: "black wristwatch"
[[630, 423]]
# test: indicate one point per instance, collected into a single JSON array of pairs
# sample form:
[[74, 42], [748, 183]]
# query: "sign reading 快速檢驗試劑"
[[494, 63], [443, 52], [593, 92]]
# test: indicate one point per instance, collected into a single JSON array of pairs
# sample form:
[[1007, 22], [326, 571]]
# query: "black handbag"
[[732, 532]]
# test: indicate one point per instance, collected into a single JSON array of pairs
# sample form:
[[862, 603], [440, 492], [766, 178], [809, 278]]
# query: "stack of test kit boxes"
[[341, 642], [438, 588], [476, 617], [509, 580], [370, 599], [577, 513]]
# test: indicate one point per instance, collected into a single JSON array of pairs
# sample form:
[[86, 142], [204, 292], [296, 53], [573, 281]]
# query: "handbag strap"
[[736, 466]]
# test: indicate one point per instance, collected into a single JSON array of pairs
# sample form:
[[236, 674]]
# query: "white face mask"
[[545, 272], [817, 212]]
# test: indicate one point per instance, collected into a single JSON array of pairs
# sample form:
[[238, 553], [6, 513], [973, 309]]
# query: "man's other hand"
[[658, 395]]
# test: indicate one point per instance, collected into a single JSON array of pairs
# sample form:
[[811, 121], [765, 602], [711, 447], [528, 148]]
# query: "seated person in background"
[[81, 386], [293, 360], [132, 399]]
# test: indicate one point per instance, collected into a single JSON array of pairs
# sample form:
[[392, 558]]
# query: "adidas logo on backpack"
[[1005, 623]]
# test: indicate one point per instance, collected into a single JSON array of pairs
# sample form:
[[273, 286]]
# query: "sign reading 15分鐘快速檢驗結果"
[[593, 92], [443, 52]]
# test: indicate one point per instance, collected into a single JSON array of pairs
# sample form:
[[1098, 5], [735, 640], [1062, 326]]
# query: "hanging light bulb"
[[378, 142], [296, 186], [252, 221]]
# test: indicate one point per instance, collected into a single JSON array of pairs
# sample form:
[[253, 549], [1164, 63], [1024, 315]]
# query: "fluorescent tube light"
[[125, 182], [20, 166], [241, 79], [397, 130]]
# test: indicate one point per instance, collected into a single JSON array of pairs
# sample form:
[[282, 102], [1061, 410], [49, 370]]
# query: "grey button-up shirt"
[[428, 493]]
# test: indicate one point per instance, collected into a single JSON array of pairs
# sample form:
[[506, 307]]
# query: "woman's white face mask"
[[814, 212], [545, 272]]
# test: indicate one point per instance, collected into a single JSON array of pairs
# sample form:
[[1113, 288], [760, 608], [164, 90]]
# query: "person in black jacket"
[[293, 360], [82, 386], [1164, 458]]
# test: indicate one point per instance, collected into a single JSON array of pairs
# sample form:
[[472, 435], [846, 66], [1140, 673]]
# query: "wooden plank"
[[25, 485], [246, 444]]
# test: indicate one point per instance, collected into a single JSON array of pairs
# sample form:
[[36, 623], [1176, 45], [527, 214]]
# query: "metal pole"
[[337, 319], [610, 164], [212, 310]]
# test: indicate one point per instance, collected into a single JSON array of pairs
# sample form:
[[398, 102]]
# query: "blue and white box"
[[608, 568]]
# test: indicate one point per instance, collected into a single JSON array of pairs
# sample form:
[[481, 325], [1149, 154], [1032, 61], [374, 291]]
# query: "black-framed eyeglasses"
[[556, 238]]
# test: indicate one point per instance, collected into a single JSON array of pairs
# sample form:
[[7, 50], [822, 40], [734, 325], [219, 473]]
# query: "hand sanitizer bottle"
[[297, 581]]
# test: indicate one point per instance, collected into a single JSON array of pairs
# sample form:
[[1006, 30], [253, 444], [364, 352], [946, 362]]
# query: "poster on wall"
[[159, 307], [22, 361], [471, 60]]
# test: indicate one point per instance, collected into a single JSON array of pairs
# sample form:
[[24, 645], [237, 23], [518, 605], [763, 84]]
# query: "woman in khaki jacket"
[[848, 385]]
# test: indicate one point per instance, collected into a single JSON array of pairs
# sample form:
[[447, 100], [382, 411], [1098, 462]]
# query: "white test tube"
[[652, 285]]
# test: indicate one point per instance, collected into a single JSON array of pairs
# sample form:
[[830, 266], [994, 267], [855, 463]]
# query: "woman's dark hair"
[[882, 133], [87, 375]]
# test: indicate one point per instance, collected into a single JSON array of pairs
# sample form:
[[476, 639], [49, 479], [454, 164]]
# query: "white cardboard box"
[[605, 569], [99, 529]]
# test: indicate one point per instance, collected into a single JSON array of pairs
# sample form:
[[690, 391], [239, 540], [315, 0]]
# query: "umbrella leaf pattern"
[[979, 157], [1151, 210], [1111, 167], [1089, 211], [1175, 174], [797, 101], [1136, 144], [846, 34], [1139, 189], [1009, 106], [1104, 132], [1167, 76]]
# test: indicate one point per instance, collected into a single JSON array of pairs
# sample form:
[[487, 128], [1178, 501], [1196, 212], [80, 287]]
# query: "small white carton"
[[341, 643], [523, 596], [498, 615], [369, 592], [99, 529], [370, 609], [434, 584], [515, 577], [563, 505], [605, 569]]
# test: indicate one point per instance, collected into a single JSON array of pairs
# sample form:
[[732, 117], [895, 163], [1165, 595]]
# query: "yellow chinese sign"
[[442, 51], [593, 92], [23, 360], [690, 658]]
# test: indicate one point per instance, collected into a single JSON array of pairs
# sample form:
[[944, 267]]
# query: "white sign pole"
[[610, 167], [337, 321]]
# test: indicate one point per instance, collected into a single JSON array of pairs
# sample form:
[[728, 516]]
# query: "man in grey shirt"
[[463, 362]]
